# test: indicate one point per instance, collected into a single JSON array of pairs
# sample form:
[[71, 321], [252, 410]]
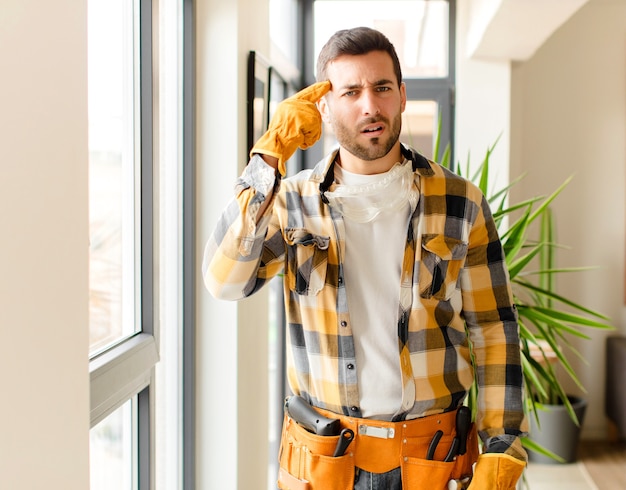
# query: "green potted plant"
[[547, 320], [557, 416]]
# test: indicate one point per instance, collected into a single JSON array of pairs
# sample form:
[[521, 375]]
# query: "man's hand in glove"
[[296, 124], [496, 472]]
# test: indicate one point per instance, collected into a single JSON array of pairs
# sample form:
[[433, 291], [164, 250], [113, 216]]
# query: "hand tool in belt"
[[430, 453], [345, 438], [306, 416], [459, 443], [459, 484], [313, 421]]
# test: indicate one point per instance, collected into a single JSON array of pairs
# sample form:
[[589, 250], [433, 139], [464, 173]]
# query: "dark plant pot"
[[557, 432]]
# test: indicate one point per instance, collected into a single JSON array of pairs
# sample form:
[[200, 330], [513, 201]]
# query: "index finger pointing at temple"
[[314, 92]]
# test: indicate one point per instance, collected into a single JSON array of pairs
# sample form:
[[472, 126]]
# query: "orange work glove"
[[296, 124], [495, 471]]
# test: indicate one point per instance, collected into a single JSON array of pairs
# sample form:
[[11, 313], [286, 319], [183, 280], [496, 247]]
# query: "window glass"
[[113, 162], [284, 27], [111, 446], [419, 123], [417, 28]]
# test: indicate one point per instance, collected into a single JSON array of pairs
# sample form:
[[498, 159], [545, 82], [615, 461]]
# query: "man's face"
[[365, 104]]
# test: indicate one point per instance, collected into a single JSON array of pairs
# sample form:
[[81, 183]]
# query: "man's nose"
[[369, 102]]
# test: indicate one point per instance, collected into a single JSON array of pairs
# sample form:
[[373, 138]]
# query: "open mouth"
[[373, 129]]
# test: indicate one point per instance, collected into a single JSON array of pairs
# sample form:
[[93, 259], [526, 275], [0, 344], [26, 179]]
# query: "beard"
[[374, 148]]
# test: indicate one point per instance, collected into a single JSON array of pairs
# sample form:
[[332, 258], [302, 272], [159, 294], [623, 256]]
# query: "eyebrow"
[[378, 83]]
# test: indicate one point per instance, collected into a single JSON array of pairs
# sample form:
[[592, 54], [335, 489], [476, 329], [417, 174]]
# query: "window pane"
[[417, 28], [113, 146], [112, 446], [419, 125], [284, 27]]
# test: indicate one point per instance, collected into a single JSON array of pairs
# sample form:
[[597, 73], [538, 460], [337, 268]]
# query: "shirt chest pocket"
[[440, 265], [307, 260]]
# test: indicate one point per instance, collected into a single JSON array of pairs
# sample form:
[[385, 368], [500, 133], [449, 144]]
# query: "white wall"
[[231, 337], [561, 112], [44, 380], [483, 99], [569, 118]]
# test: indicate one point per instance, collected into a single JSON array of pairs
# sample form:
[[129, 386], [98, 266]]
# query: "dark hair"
[[356, 41]]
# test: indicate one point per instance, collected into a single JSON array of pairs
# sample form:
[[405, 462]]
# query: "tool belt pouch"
[[306, 461], [421, 473]]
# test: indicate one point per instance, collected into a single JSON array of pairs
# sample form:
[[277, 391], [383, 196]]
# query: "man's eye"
[[383, 89], [350, 93]]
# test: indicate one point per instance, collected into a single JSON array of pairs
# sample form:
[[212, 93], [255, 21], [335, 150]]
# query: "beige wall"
[[231, 337], [44, 380], [569, 118]]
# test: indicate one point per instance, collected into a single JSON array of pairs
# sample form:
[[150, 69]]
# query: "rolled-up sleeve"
[[491, 318], [232, 265]]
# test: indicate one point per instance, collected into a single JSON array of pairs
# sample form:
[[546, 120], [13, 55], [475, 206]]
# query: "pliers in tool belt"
[[459, 443]]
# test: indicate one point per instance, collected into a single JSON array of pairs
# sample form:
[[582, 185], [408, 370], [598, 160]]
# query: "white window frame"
[[127, 369]]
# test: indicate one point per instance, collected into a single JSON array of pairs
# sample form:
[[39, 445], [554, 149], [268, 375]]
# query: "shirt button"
[[340, 280], [350, 366], [344, 323], [354, 409]]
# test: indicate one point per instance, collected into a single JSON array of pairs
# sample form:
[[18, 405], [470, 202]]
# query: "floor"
[[600, 466], [558, 477], [606, 463]]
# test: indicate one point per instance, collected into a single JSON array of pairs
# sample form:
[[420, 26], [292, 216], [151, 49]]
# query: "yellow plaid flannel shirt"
[[455, 285]]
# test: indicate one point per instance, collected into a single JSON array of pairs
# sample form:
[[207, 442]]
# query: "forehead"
[[363, 69]]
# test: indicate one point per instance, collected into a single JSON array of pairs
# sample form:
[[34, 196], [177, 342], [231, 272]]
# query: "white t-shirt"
[[373, 263]]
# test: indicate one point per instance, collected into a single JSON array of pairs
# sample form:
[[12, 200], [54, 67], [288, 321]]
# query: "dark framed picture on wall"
[[258, 97], [278, 90]]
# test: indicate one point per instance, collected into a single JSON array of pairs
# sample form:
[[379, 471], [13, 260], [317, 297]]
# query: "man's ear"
[[402, 96], [322, 106]]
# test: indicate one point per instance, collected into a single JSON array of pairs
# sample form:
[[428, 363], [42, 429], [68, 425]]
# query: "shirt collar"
[[324, 172]]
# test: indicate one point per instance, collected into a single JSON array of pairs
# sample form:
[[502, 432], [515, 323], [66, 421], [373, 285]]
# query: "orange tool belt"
[[307, 461]]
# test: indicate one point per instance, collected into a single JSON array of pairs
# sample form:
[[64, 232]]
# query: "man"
[[393, 272]]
